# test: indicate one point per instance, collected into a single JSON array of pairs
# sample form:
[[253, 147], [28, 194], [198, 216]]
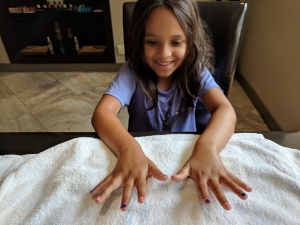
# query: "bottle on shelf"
[[48, 5], [45, 6], [50, 46], [76, 45], [54, 4]]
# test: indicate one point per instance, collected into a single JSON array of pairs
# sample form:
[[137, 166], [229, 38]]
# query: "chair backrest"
[[226, 21]]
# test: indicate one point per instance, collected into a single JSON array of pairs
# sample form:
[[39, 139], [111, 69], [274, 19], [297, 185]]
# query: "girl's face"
[[165, 43]]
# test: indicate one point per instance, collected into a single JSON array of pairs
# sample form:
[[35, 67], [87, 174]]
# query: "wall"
[[270, 58]]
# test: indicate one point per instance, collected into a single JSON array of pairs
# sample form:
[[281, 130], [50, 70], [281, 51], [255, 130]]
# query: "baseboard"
[[108, 67], [259, 105]]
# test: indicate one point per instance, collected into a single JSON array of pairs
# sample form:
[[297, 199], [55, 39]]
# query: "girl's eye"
[[176, 42], [152, 42]]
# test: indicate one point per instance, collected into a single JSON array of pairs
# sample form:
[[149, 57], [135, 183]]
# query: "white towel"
[[53, 187]]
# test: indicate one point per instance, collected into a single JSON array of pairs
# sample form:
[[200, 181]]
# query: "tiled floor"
[[65, 101]]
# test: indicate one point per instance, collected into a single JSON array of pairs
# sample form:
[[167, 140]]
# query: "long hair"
[[199, 54]]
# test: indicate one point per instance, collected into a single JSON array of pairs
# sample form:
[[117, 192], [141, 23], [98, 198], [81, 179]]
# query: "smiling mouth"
[[164, 63]]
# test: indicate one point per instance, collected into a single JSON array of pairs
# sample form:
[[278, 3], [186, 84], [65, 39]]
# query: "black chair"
[[226, 21]]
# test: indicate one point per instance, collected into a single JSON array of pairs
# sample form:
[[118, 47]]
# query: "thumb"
[[182, 174], [156, 173]]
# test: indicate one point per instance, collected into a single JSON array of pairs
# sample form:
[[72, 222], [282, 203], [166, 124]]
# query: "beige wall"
[[3, 55], [270, 58], [116, 7]]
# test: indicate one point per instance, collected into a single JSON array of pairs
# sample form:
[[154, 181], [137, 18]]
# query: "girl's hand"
[[208, 171], [131, 170]]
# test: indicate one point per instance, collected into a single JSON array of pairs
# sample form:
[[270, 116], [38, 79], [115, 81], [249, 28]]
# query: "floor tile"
[[83, 82], [93, 96], [4, 90], [84, 126], [25, 123], [123, 116], [239, 98], [110, 75], [11, 108], [64, 114], [20, 82], [251, 122], [240, 113], [46, 95], [62, 75]]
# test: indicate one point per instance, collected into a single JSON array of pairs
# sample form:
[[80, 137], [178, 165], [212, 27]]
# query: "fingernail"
[[98, 198], [207, 200], [92, 191], [123, 206], [227, 205], [164, 175], [243, 194]]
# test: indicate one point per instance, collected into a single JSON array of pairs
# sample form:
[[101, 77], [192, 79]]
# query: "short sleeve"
[[123, 86], [207, 82]]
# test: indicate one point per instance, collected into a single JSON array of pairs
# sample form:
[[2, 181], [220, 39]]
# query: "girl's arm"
[[205, 165], [132, 167]]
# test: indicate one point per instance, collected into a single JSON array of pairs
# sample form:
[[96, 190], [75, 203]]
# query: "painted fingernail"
[[164, 175], [207, 200], [98, 198], [123, 206], [92, 191], [243, 194]]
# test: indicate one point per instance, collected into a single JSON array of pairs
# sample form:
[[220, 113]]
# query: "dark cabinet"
[[92, 29]]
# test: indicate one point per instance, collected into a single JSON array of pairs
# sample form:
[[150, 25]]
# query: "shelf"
[[19, 30]]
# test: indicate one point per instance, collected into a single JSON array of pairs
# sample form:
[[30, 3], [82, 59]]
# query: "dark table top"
[[33, 143]]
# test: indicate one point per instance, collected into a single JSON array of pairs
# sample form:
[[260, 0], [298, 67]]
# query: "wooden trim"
[[108, 67], [257, 102]]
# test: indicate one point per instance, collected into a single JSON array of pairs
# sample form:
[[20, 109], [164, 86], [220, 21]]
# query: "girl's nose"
[[164, 51]]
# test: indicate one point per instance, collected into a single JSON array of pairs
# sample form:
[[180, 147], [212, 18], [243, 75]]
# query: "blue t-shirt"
[[126, 88]]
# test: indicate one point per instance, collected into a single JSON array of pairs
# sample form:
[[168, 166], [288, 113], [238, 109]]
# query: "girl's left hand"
[[208, 171]]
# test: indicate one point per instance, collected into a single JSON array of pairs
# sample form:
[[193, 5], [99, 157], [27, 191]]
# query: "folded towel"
[[52, 187]]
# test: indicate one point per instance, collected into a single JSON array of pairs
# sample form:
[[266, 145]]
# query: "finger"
[[240, 183], [227, 182], [156, 173], [127, 192], [110, 187], [101, 185], [182, 174], [203, 190], [141, 190], [217, 190]]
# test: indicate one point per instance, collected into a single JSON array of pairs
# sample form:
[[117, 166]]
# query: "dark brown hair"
[[199, 48]]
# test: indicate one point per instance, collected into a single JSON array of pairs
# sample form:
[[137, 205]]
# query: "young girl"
[[165, 76]]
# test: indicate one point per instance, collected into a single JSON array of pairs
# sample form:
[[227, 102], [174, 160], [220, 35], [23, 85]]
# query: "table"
[[33, 143]]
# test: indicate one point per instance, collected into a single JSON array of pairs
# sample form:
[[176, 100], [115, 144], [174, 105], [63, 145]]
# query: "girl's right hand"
[[131, 170]]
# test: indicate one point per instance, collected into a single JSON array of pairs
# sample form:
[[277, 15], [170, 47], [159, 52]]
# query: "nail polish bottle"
[[48, 5], [45, 6], [76, 45], [54, 4], [50, 46], [38, 6], [59, 5], [75, 8]]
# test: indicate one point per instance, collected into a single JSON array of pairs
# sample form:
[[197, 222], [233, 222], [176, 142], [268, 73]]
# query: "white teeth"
[[164, 64]]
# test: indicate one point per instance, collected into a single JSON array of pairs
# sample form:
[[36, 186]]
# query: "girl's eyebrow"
[[175, 36]]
